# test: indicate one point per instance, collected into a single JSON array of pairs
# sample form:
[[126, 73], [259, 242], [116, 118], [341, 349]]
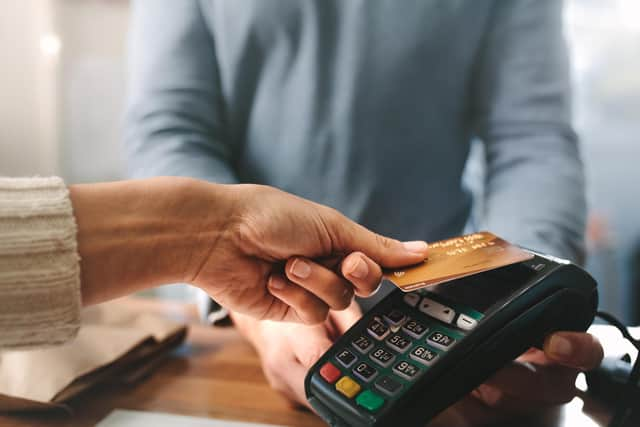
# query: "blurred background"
[[62, 88]]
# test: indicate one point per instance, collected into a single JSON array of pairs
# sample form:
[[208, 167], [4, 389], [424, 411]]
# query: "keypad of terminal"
[[395, 347]]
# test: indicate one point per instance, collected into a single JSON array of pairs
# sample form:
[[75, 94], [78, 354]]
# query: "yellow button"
[[348, 387]]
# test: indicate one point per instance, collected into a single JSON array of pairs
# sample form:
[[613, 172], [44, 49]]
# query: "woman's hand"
[[280, 257], [256, 250]]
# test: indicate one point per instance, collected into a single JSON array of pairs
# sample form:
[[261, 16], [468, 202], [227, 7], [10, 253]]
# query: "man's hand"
[[541, 379], [536, 381], [288, 350], [280, 257]]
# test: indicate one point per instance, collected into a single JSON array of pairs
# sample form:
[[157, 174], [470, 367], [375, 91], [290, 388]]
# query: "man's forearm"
[[138, 234]]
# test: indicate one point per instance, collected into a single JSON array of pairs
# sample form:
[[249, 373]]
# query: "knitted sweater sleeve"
[[39, 263]]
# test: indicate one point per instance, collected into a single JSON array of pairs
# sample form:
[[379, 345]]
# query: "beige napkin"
[[115, 343]]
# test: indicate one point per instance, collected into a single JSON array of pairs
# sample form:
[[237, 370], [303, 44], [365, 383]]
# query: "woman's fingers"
[[363, 272], [348, 236], [311, 289], [335, 291], [294, 303], [574, 349]]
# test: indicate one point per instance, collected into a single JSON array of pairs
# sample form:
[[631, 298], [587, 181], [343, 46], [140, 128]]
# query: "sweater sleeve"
[[39, 263]]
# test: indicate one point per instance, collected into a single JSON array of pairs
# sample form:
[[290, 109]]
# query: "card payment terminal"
[[414, 354]]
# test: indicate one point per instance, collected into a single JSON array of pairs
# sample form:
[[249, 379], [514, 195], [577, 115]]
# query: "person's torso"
[[361, 105]]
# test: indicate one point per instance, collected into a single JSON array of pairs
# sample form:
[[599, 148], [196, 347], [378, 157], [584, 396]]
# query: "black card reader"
[[414, 354]]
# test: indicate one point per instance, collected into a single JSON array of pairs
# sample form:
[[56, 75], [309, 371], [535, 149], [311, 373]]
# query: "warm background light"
[[50, 44]]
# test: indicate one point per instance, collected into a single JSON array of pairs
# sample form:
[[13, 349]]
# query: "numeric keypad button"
[[378, 329], [406, 370], [363, 344], [382, 357], [365, 372], [398, 343], [441, 340], [395, 317], [346, 358], [414, 328], [423, 355]]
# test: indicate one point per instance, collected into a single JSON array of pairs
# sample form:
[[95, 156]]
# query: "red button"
[[330, 373]]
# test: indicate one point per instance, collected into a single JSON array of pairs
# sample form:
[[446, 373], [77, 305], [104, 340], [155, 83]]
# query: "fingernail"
[[277, 282], [416, 246], [358, 269], [560, 346], [300, 269]]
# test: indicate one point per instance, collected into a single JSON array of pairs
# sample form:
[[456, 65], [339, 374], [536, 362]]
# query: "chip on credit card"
[[458, 257]]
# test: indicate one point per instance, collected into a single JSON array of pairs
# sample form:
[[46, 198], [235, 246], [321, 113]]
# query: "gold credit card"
[[458, 257]]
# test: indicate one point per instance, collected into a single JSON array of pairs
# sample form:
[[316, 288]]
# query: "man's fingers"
[[345, 319], [574, 349], [349, 236], [282, 368], [335, 291], [308, 308], [291, 383], [504, 405], [540, 379], [316, 343], [363, 272], [296, 379], [538, 385]]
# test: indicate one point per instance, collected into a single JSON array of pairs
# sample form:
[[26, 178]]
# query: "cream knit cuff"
[[39, 264]]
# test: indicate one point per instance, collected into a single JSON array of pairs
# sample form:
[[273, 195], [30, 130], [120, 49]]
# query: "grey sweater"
[[367, 106]]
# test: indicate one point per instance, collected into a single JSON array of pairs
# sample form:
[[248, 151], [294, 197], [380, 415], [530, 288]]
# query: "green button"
[[369, 400]]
